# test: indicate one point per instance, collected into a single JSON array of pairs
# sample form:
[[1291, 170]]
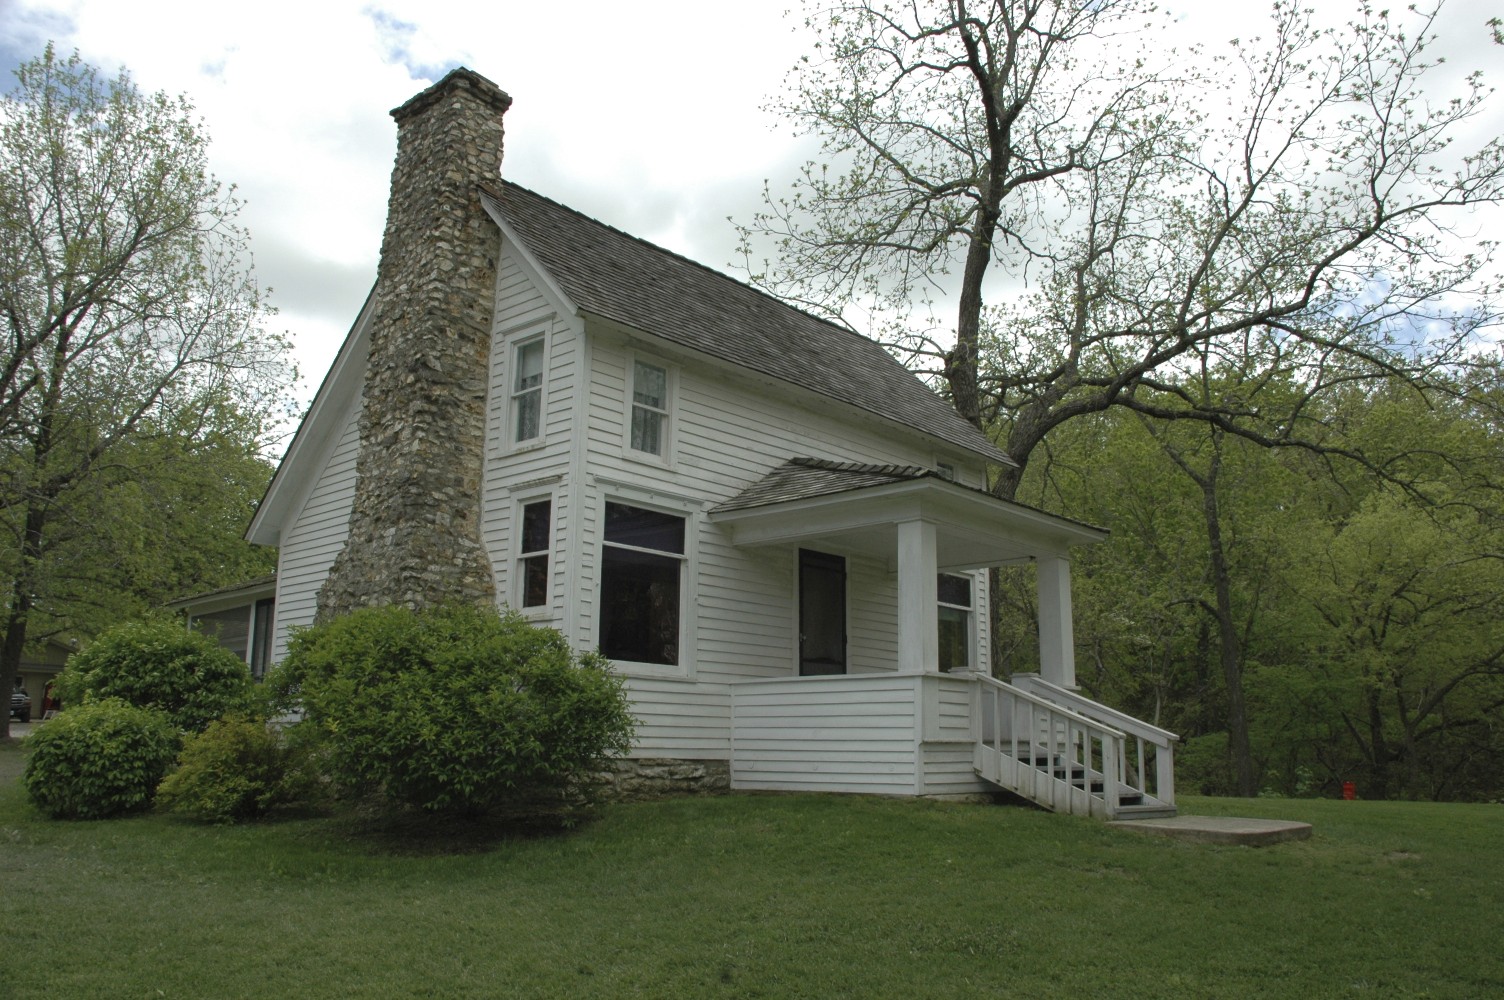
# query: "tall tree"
[[1049, 140], [130, 311]]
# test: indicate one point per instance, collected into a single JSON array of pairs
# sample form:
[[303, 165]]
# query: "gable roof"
[[619, 277]]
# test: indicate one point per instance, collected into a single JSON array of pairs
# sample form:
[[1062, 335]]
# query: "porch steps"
[[1132, 803]]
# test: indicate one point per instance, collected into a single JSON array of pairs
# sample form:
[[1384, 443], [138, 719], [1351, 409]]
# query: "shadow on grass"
[[416, 833]]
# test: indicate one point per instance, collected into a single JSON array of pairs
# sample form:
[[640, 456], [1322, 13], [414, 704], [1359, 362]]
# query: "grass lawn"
[[758, 896]]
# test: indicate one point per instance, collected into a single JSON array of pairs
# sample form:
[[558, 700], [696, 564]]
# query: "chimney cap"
[[458, 78]]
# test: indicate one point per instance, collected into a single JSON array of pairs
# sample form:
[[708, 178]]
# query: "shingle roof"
[[802, 478], [619, 277]]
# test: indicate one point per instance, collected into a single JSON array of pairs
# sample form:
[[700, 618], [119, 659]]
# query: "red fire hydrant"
[[1349, 791]]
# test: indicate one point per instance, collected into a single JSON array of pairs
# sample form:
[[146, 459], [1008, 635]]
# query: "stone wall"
[[414, 530], [635, 778]]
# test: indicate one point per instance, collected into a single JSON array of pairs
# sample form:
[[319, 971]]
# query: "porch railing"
[[1148, 760]]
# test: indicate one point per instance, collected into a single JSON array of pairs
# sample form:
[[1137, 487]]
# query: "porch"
[[949, 735], [908, 727]]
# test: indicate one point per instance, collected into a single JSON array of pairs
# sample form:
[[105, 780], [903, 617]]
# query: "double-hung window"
[[955, 611], [650, 409], [527, 392], [642, 583], [532, 554]]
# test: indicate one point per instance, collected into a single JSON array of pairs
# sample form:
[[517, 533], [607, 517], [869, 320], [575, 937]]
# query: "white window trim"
[[688, 581], [971, 615], [547, 610], [670, 412], [512, 395]]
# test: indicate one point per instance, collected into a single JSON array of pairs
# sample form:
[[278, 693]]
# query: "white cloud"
[[645, 115]]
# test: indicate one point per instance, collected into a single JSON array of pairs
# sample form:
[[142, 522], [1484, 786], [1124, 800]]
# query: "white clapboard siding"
[[316, 536], [851, 733], [728, 432], [679, 719], [512, 475]]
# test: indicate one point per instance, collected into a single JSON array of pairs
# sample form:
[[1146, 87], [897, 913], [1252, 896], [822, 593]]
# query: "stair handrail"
[[1094, 709], [1042, 702]]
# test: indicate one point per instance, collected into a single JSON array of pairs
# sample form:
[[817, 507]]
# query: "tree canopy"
[[1112, 206], [135, 348]]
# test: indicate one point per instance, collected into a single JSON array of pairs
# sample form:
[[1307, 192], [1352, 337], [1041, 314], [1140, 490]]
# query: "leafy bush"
[[454, 709], [237, 769], [157, 663], [99, 760]]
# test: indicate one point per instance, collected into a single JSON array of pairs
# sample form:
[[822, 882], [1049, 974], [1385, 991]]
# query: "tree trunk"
[[23, 589], [1239, 747]]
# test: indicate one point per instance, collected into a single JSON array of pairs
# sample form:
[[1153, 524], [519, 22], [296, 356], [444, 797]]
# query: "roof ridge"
[[693, 263]]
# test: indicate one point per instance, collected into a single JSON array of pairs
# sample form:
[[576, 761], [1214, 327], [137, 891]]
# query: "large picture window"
[[649, 433], [532, 556], [527, 392], [954, 593], [642, 571]]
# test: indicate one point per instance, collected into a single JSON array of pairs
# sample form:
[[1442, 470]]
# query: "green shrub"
[[157, 663], [454, 709], [237, 769], [99, 760]]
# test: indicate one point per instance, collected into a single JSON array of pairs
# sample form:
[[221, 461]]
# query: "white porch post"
[[1057, 644], [918, 622]]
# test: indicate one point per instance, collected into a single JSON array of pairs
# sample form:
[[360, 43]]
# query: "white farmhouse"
[[778, 535]]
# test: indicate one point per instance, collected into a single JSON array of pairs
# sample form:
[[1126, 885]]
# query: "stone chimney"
[[414, 530]]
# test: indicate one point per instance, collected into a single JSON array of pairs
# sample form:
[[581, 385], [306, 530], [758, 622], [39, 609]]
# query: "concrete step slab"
[[1219, 829]]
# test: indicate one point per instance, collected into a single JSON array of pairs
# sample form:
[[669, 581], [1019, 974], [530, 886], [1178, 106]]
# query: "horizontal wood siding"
[[523, 312], [316, 536], [728, 432], [950, 770], [852, 733], [872, 625], [680, 719], [947, 708]]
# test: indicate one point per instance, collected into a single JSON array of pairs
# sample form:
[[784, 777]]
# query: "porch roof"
[[856, 508]]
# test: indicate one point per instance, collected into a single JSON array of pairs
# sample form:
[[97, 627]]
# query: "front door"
[[822, 613]]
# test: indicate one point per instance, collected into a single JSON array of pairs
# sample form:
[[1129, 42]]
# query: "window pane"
[[535, 581], [955, 638], [529, 366], [647, 431], [650, 386], [639, 606], [954, 590], [527, 415], [646, 529], [535, 533]]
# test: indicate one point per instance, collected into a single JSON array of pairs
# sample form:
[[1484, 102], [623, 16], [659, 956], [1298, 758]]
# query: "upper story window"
[[527, 391], [650, 409], [955, 599], [532, 553]]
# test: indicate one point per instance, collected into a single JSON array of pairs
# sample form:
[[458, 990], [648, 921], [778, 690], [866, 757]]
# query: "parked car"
[[20, 706]]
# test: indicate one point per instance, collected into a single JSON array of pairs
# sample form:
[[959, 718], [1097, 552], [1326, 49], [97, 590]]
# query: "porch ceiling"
[[857, 509]]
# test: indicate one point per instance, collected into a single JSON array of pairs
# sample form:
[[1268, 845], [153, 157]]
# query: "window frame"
[[521, 556], [687, 560], [668, 412], [515, 394], [969, 620]]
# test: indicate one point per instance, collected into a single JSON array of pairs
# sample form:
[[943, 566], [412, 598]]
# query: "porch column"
[[1057, 643], [918, 621]]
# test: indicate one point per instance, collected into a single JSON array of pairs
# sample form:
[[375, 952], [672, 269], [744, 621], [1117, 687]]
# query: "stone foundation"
[[636, 778]]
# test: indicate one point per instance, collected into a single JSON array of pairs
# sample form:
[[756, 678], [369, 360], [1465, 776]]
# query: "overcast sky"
[[646, 115]]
